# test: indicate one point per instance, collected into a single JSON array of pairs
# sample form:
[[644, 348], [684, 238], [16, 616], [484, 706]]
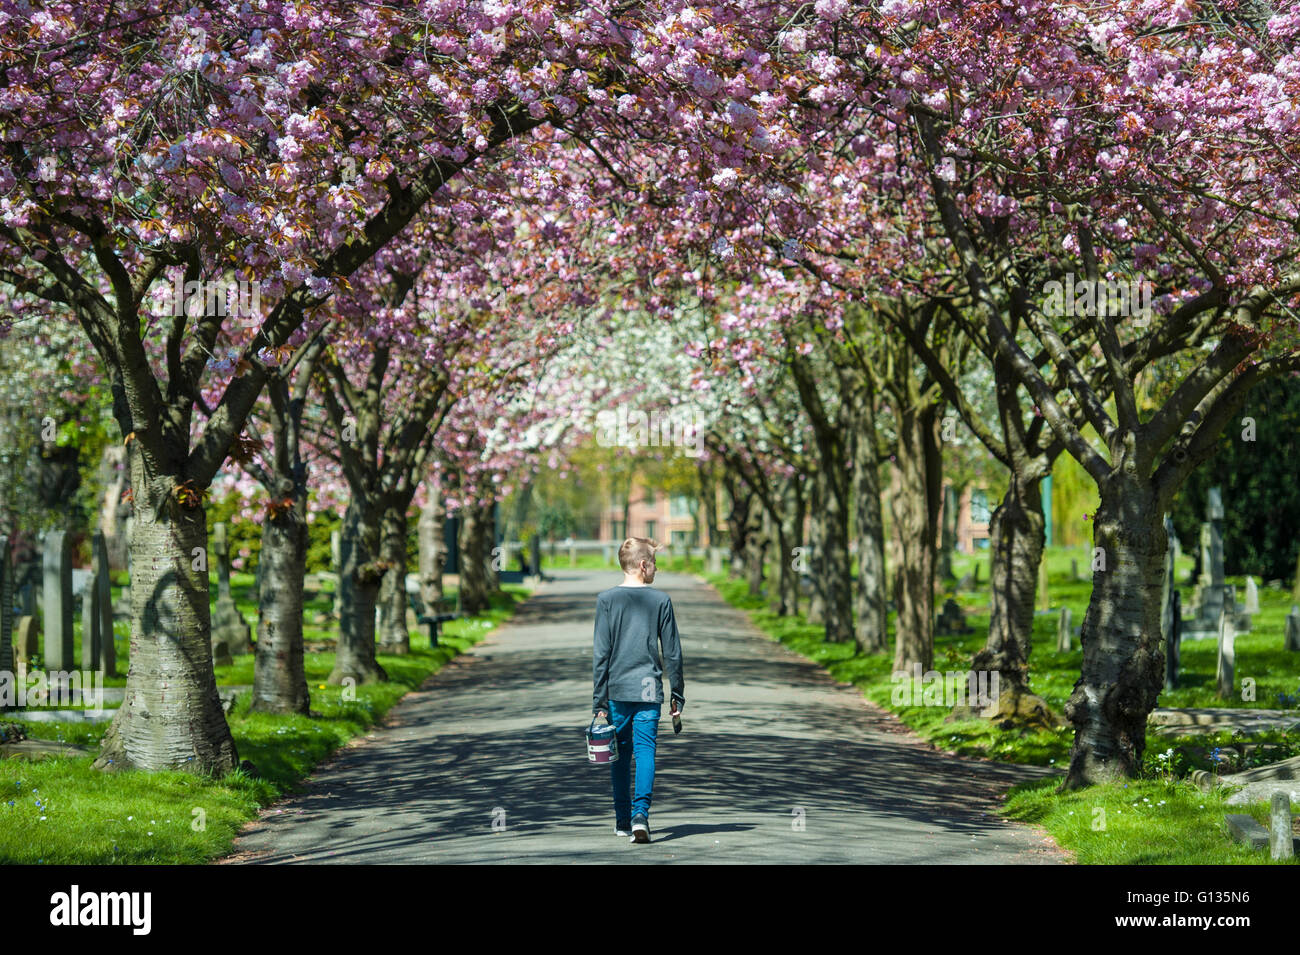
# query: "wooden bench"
[[433, 621]]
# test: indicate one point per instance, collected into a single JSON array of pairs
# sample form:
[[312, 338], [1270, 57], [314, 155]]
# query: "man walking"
[[632, 622]]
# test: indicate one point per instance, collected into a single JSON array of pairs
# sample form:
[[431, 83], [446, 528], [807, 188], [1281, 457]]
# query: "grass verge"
[[60, 811]]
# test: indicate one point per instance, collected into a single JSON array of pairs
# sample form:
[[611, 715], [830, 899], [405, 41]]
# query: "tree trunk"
[[279, 675], [789, 524], [359, 578], [1016, 538], [393, 635], [433, 550], [1123, 654], [835, 568], [171, 715], [816, 599], [917, 473], [870, 627], [737, 523], [473, 565], [756, 545]]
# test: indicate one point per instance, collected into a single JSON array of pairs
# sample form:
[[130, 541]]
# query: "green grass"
[[1183, 831], [1143, 822], [60, 811]]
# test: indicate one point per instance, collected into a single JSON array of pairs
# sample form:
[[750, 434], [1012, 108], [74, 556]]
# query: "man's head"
[[637, 558]]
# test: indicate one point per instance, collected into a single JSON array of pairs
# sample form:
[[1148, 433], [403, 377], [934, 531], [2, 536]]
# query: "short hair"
[[635, 550]]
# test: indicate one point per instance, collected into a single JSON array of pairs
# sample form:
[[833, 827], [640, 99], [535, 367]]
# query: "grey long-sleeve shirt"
[[631, 623]]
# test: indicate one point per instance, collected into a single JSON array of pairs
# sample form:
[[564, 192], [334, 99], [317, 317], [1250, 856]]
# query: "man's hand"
[[600, 713], [676, 709]]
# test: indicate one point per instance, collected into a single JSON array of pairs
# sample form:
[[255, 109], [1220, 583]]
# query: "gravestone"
[[951, 620], [57, 562], [535, 556], [1225, 673], [228, 625], [1074, 568], [1281, 841], [1063, 632], [26, 578], [104, 586], [1211, 586], [6, 611], [91, 636], [976, 581], [1168, 609], [1252, 596], [1173, 638], [27, 642], [97, 649], [1293, 628]]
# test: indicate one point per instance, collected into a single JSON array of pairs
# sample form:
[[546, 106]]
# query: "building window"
[[979, 507], [650, 527], [680, 506], [649, 498]]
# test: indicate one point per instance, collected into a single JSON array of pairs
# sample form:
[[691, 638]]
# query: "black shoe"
[[640, 829]]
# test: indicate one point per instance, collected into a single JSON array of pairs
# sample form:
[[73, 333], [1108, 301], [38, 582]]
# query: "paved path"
[[765, 733]]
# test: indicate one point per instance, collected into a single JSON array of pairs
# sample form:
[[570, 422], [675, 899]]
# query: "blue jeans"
[[636, 726]]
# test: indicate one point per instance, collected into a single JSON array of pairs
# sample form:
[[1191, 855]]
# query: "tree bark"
[[737, 521], [1123, 655], [917, 474], [756, 545], [870, 629], [834, 567], [474, 586], [394, 637], [816, 599], [279, 674], [359, 578], [171, 715], [789, 524], [1016, 538], [433, 550]]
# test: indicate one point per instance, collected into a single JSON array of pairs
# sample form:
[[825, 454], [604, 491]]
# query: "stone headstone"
[[966, 583], [1225, 672], [27, 641], [1281, 841], [97, 649], [1074, 568], [91, 635], [1063, 632], [1211, 586], [1252, 596], [101, 565], [1293, 628], [229, 628], [58, 608], [976, 581], [951, 620]]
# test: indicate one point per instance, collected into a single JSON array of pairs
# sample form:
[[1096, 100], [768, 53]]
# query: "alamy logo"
[[636, 429], [1131, 299], [241, 300], [102, 908]]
